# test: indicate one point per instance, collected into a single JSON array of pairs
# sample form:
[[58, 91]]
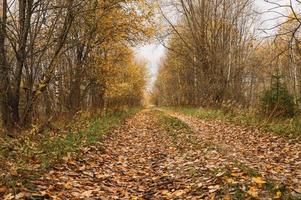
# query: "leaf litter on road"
[[148, 158], [266, 161]]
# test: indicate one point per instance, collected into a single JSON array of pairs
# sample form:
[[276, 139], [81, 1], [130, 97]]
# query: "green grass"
[[288, 127], [180, 132], [23, 159], [172, 125]]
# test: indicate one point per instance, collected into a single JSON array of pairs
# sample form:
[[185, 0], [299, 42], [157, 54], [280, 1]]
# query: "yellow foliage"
[[119, 26]]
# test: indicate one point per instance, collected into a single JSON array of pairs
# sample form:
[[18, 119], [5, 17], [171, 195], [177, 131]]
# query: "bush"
[[277, 101]]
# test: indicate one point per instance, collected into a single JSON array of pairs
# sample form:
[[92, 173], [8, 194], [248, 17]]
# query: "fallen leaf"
[[68, 185], [253, 192], [200, 185], [214, 188], [3, 190], [234, 174], [278, 195], [220, 174], [258, 180], [230, 180], [8, 197], [14, 171], [227, 197], [179, 193], [166, 193], [87, 193], [298, 190]]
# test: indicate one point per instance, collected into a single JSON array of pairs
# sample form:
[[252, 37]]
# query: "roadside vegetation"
[[67, 77], [25, 158]]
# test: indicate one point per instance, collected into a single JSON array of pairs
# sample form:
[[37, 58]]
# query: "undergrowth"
[[24, 158]]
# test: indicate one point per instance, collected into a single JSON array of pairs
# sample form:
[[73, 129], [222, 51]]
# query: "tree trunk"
[[4, 73], [25, 13], [75, 90]]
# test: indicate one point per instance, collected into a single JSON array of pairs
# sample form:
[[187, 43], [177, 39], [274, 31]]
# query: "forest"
[[59, 57], [81, 117], [217, 56]]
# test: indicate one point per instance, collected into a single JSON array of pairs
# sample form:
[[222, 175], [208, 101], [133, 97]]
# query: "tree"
[[216, 36], [51, 65], [4, 81], [277, 101]]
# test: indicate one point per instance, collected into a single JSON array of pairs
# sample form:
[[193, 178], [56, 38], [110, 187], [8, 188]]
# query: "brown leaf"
[[68, 185], [179, 193], [227, 197], [3, 190], [87, 193], [214, 188]]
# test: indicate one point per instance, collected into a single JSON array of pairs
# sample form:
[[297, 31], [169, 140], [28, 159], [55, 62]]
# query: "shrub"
[[277, 101]]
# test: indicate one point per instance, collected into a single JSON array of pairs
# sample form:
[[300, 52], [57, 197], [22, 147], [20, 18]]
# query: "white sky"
[[154, 52]]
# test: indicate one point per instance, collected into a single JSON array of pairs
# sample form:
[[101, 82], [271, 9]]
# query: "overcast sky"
[[154, 52]]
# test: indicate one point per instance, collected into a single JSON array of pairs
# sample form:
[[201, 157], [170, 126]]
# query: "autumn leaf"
[[253, 192], [298, 190], [87, 193], [14, 171], [3, 190], [278, 195], [179, 193], [258, 180], [234, 174], [230, 180], [227, 197], [214, 188], [68, 185], [166, 193]]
